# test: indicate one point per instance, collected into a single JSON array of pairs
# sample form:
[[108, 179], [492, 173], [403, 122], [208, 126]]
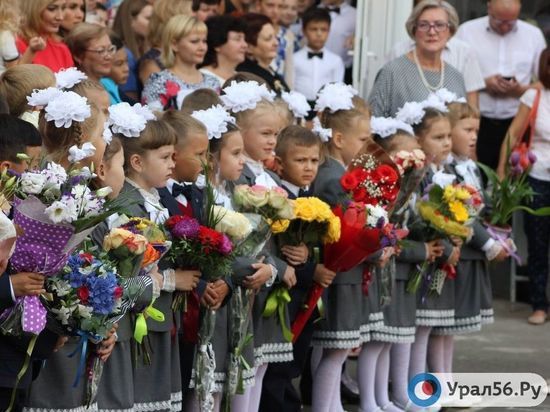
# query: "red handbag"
[[526, 137]]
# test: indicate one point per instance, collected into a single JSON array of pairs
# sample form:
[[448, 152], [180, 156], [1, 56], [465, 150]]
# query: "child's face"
[[111, 173], [271, 9], [464, 136], [96, 138], [120, 69], [192, 48], [189, 157], [260, 136], [316, 33], [100, 98], [35, 154], [207, 10], [403, 142], [299, 164], [436, 142], [289, 12], [231, 159], [354, 139], [156, 166]]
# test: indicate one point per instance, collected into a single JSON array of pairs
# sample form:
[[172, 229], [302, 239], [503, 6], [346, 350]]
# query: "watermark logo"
[[478, 389], [424, 390]]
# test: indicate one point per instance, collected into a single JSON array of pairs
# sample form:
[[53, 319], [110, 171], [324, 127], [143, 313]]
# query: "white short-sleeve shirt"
[[8, 50], [540, 145]]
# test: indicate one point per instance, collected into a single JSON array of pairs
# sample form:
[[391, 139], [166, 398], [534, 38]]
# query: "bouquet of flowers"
[[445, 211], [199, 247], [86, 298], [509, 195], [56, 211], [412, 167], [126, 249]]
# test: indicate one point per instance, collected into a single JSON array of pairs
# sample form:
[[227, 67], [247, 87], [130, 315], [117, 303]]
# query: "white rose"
[[32, 183]]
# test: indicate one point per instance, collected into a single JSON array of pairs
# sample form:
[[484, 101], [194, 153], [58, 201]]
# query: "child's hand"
[[457, 241], [210, 296], [106, 346], [221, 288], [455, 256], [433, 250], [60, 343], [187, 280], [502, 255], [289, 278], [258, 279], [295, 255], [387, 253], [323, 276], [37, 44], [27, 284], [157, 277]]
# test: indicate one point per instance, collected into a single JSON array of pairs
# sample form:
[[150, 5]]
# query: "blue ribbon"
[[83, 347]]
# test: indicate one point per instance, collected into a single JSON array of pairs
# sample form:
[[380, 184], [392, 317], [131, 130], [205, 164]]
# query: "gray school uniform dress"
[[471, 284], [435, 310], [270, 346], [157, 386], [346, 321]]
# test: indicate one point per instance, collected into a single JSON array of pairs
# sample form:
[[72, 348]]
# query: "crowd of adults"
[[156, 51]]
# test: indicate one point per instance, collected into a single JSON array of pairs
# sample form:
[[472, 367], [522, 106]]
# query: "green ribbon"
[[140, 330], [22, 372], [277, 301]]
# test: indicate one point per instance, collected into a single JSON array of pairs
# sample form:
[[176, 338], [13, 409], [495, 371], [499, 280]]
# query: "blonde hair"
[[58, 140], [79, 38], [31, 11], [10, 17], [342, 120], [177, 28], [281, 107], [200, 99], [184, 125], [162, 11], [460, 111], [18, 82], [424, 5], [263, 107]]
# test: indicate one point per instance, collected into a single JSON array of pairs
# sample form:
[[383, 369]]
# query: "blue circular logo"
[[427, 386]]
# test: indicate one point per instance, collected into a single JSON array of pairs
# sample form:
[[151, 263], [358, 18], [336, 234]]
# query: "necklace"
[[423, 78]]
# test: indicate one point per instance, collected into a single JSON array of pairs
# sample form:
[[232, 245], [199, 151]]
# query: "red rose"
[[360, 174], [83, 294], [173, 221], [391, 192], [172, 88], [360, 194], [118, 292], [348, 181], [386, 174]]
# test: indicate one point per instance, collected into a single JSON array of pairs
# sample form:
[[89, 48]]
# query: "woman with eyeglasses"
[[92, 50], [413, 76], [38, 41]]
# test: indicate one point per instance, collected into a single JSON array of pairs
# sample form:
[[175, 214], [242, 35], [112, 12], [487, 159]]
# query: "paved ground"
[[509, 345]]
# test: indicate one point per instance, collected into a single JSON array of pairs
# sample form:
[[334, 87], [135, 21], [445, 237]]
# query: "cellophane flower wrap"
[[56, 211], [444, 211], [86, 298], [372, 180]]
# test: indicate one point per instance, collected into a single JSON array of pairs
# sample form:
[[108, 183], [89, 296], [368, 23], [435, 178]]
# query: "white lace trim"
[[92, 408], [176, 401], [457, 330], [471, 320], [487, 312], [342, 339], [383, 337], [435, 313], [219, 381], [113, 410], [273, 353], [153, 406]]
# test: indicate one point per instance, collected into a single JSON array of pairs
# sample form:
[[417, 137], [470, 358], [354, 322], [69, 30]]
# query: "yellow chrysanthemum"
[[280, 226], [333, 231], [459, 211], [449, 193], [462, 194], [304, 209], [451, 228]]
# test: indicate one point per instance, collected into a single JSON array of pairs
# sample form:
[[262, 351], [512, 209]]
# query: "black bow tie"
[[334, 9], [303, 193], [311, 55], [184, 190]]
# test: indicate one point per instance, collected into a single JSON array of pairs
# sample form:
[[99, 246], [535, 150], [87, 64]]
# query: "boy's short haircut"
[[116, 40], [196, 4], [200, 99], [183, 124], [298, 136], [315, 14], [15, 136]]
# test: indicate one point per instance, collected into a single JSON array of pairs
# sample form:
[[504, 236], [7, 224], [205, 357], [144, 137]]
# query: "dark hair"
[[296, 135], [200, 99], [183, 123], [157, 133], [15, 136], [196, 4], [430, 116], [112, 149], [4, 107], [254, 24], [218, 30], [315, 14], [116, 40], [544, 68], [389, 143]]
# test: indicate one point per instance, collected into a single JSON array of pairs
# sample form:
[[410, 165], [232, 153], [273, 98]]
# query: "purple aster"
[[186, 228], [225, 246]]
